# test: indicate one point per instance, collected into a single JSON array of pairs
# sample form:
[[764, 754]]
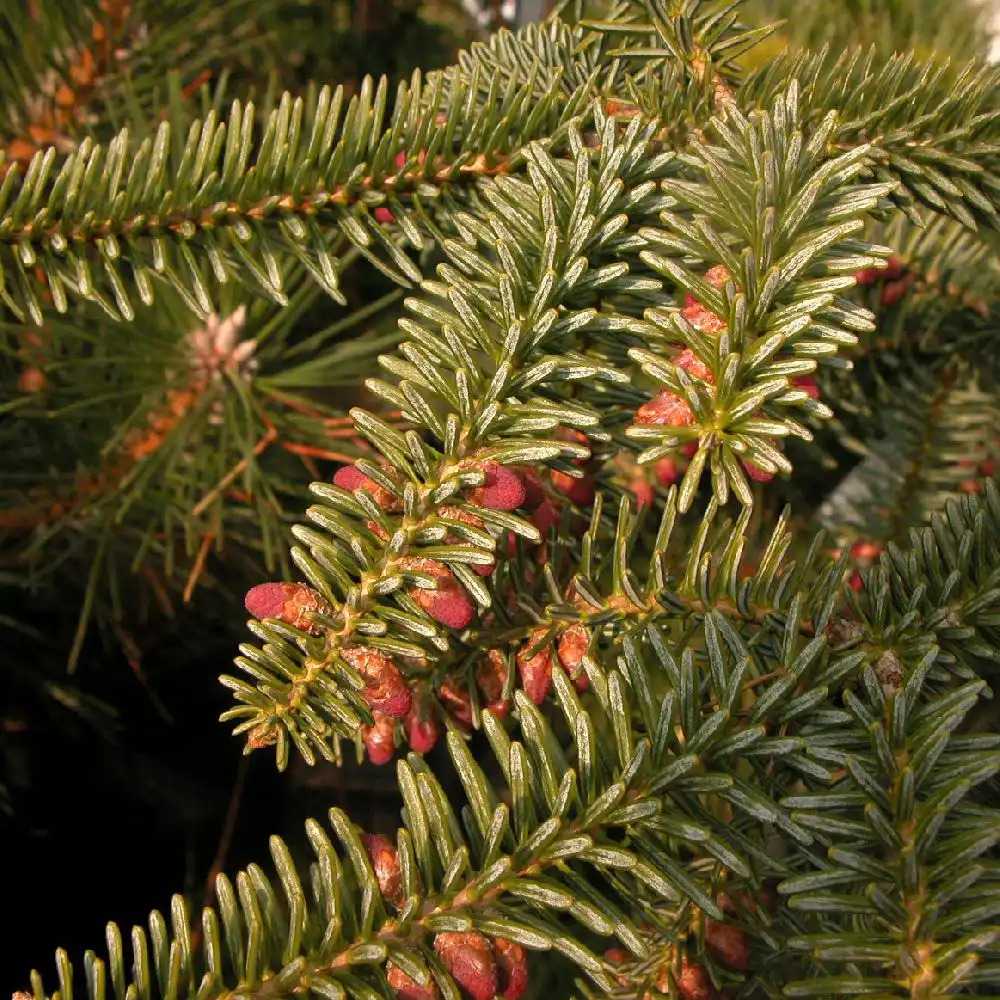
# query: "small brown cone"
[[572, 647], [385, 689], [385, 863]]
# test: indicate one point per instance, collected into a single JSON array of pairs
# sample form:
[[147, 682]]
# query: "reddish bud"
[[579, 491], [665, 409], [535, 671], [643, 492], [292, 603], [808, 385], [512, 965], [694, 983], [690, 449], [378, 739], [379, 532], [728, 943], [385, 863], [348, 477], [449, 604], [717, 276], [385, 690], [756, 473], [572, 647], [893, 268], [502, 488], [421, 733], [456, 701], [403, 156], [383, 215], [32, 380], [970, 486], [469, 958], [988, 467], [694, 366], [406, 988], [544, 518], [616, 956], [491, 676], [703, 319], [866, 551], [893, 292], [263, 735], [867, 276], [666, 472]]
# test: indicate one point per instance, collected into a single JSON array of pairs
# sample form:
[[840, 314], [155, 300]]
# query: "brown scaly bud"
[[889, 671], [512, 966], [292, 603], [841, 631], [694, 983], [385, 863], [349, 477], [536, 670], [665, 409], [491, 676], [572, 647], [407, 988], [456, 701], [729, 944], [385, 689], [449, 604], [421, 733], [263, 735], [469, 958], [379, 739], [465, 517]]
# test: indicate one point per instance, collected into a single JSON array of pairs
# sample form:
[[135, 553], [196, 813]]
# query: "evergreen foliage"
[[653, 288]]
